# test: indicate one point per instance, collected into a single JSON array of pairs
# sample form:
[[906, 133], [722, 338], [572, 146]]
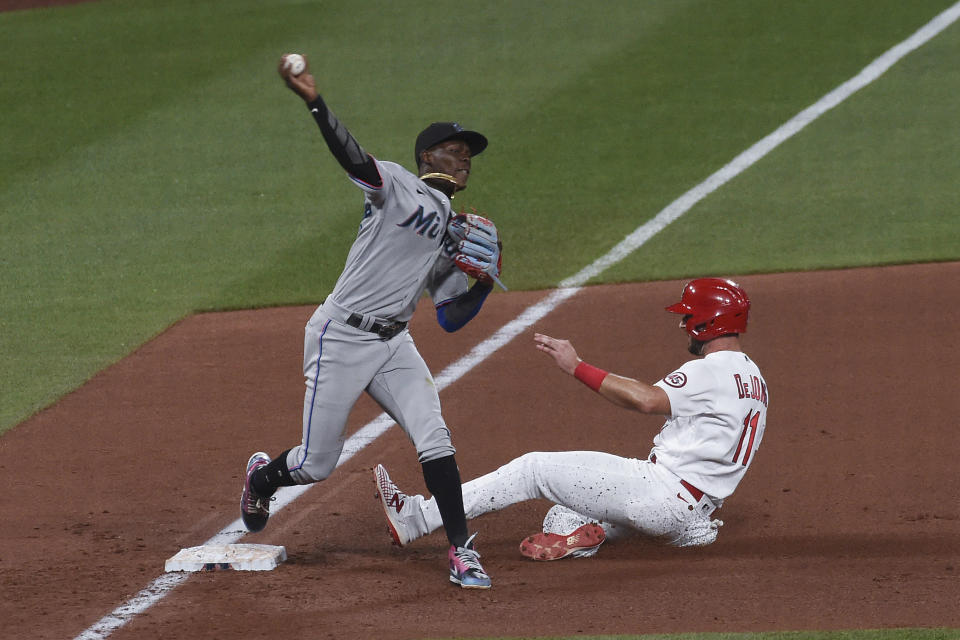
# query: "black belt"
[[384, 330]]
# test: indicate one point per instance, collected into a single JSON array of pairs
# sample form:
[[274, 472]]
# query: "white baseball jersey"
[[718, 410]]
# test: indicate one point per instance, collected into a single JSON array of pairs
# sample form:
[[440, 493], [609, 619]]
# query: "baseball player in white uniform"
[[357, 340], [716, 408]]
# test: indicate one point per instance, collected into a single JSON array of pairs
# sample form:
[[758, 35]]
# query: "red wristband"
[[590, 375]]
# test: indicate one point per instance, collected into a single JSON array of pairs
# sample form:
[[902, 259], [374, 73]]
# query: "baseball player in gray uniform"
[[716, 408], [409, 242]]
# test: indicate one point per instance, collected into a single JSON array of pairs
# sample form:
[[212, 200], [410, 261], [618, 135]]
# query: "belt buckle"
[[387, 331]]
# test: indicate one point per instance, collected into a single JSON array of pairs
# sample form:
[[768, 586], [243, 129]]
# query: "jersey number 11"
[[749, 424]]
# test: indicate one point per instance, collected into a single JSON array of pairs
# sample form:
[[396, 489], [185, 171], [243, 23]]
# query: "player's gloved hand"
[[458, 225], [479, 249], [479, 258]]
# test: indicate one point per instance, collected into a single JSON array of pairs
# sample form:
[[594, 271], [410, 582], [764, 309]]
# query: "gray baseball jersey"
[[399, 253], [399, 250]]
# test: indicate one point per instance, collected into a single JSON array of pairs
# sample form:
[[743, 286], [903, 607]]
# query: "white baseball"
[[295, 63]]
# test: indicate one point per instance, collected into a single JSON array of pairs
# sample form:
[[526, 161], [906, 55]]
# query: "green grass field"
[[153, 164]]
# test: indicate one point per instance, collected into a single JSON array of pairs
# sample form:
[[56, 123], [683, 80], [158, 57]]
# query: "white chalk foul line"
[[160, 587]]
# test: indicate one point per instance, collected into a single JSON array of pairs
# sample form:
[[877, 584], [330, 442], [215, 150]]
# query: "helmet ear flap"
[[702, 327]]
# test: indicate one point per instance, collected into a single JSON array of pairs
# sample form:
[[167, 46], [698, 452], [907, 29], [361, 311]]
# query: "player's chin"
[[695, 346]]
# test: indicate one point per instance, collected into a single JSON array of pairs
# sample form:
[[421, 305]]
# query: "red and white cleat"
[[581, 543]]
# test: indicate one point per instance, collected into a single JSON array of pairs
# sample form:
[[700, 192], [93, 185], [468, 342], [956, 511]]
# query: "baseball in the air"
[[295, 63]]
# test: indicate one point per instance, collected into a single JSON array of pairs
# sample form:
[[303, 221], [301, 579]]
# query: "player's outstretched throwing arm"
[[623, 392], [355, 161]]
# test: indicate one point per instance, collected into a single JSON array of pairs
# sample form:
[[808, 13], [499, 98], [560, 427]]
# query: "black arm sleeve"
[[348, 152]]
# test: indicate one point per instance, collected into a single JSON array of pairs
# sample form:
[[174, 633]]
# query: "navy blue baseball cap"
[[441, 132]]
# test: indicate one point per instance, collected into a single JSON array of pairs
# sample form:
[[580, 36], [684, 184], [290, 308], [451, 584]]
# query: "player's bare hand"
[[301, 84], [561, 351]]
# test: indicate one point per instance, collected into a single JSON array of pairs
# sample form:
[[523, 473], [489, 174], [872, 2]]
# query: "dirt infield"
[[848, 519]]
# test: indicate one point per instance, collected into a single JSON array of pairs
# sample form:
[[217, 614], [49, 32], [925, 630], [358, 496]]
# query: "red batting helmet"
[[716, 307]]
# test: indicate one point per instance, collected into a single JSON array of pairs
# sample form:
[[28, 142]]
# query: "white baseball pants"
[[625, 495]]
